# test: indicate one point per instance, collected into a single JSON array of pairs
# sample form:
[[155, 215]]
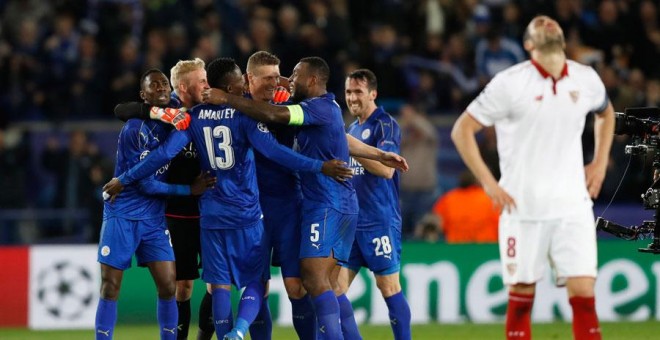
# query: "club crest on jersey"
[[366, 133], [574, 95], [105, 251], [511, 268], [144, 154], [262, 127]]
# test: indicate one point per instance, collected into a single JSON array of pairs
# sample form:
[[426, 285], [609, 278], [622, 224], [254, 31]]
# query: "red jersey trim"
[[545, 74]]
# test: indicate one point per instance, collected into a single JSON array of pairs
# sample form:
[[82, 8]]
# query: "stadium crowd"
[[67, 61]]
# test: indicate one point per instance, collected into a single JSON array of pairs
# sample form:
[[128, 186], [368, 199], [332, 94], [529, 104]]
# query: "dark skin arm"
[[202, 182], [336, 169], [254, 109], [126, 111]]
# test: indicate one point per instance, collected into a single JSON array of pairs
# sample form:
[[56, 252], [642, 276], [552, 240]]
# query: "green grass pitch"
[[611, 330]]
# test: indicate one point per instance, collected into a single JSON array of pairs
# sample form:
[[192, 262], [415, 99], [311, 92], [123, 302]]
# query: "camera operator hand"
[[594, 173]]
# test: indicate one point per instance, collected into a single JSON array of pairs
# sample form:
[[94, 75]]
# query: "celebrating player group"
[[257, 170], [269, 161]]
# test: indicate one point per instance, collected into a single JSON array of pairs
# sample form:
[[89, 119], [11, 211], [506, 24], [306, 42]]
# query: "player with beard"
[[281, 199], [538, 108], [329, 209], [231, 219]]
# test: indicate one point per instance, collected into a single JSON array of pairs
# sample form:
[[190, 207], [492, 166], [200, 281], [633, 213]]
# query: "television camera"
[[643, 126]]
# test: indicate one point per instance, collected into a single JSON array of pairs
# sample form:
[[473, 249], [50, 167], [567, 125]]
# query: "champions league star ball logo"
[[262, 127], [65, 290]]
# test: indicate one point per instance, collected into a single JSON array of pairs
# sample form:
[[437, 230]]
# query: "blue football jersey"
[[275, 180], [322, 136], [378, 198], [224, 139], [137, 201]]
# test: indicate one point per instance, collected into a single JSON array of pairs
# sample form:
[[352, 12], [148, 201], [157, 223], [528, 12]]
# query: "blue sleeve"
[[151, 186], [264, 142], [316, 113], [157, 158], [388, 136]]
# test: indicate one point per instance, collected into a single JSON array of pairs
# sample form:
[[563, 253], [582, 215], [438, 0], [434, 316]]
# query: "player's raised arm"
[[258, 110], [176, 141], [388, 159], [130, 110], [264, 142], [169, 115]]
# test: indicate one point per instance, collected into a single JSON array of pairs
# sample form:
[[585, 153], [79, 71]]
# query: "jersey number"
[[314, 237], [223, 134], [383, 246], [511, 247]]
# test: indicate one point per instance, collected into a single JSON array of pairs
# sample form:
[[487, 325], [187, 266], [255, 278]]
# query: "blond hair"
[[182, 68]]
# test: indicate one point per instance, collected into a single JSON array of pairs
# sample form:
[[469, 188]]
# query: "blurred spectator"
[[637, 84], [645, 38], [512, 25], [125, 74], [428, 229], [576, 50], [156, 49], [286, 39], [495, 53], [568, 13], [652, 97], [88, 77], [13, 171], [61, 51], [16, 11], [419, 186], [177, 46], [66, 60], [210, 28], [76, 180], [427, 96], [608, 35], [466, 214], [332, 21], [26, 73], [383, 57]]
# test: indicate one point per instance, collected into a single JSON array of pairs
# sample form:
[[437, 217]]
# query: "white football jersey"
[[539, 124]]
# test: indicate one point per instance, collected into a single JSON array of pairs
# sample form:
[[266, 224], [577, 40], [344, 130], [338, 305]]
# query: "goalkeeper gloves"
[[177, 117], [281, 95]]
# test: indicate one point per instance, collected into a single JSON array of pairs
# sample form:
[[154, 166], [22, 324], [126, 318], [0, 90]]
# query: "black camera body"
[[643, 126]]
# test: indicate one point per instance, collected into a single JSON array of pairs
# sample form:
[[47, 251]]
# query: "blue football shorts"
[[326, 231], [148, 239]]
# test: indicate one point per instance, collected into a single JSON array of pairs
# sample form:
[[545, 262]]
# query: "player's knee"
[[523, 288], [167, 289], [110, 289], [184, 289], [388, 284], [316, 285], [582, 287], [388, 288], [294, 288]]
